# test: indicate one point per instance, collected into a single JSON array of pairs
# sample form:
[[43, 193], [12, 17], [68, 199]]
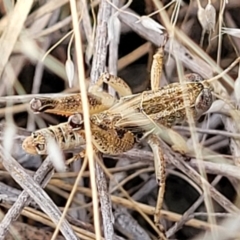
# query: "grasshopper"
[[120, 123], [116, 124]]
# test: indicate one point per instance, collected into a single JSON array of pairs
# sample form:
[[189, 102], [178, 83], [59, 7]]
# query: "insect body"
[[116, 124], [61, 133], [166, 106], [113, 129]]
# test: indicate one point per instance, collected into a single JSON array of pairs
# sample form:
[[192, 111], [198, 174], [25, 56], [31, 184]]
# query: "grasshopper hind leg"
[[160, 168], [112, 141], [105, 139]]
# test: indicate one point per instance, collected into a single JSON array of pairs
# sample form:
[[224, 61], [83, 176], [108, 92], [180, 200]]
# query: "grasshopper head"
[[204, 99], [35, 144]]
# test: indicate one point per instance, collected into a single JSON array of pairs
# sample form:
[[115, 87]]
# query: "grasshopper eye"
[[40, 148], [204, 101]]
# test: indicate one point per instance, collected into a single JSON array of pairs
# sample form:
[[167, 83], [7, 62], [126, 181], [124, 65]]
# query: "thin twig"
[[98, 67], [13, 29], [85, 106], [35, 191]]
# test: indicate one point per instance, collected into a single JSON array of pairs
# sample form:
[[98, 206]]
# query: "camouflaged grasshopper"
[[117, 123]]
